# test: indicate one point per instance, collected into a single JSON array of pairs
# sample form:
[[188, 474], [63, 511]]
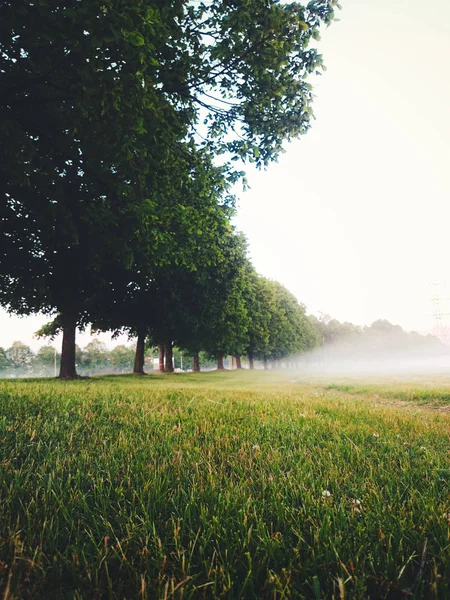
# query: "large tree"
[[79, 110], [248, 67], [260, 305]]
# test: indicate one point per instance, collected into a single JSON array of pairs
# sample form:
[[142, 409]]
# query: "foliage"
[[95, 355], [153, 297], [19, 360], [249, 63], [19, 356], [217, 318], [4, 362], [290, 331], [122, 357], [81, 112], [260, 305], [45, 360]]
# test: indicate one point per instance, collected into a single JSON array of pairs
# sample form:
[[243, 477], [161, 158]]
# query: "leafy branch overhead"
[[246, 70]]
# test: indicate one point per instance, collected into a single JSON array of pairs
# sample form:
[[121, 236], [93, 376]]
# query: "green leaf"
[[135, 38]]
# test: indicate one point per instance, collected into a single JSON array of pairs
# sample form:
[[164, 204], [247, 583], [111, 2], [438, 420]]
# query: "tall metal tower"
[[440, 329]]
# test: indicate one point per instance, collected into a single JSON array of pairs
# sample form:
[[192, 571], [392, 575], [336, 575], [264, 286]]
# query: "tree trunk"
[[220, 366], [68, 368], [251, 362], [238, 361], [138, 368], [161, 357], [266, 363], [196, 363], [169, 357]]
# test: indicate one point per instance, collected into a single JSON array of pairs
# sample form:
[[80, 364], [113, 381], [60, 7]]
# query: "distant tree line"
[[326, 339], [381, 341], [20, 361]]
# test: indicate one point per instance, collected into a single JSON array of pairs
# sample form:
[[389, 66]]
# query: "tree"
[[4, 362], [291, 332], [225, 318], [214, 317], [122, 357], [248, 65], [381, 341], [151, 299], [260, 306], [95, 355], [46, 360], [19, 356]]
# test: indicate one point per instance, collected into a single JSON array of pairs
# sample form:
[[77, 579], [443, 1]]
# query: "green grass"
[[212, 486], [434, 396]]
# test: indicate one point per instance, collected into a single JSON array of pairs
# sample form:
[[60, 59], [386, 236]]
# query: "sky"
[[354, 218]]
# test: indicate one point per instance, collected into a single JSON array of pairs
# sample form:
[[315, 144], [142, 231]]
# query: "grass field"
[[233, 485]]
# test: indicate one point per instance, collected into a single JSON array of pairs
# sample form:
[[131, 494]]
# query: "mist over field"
[[382, 348], [340, 359]]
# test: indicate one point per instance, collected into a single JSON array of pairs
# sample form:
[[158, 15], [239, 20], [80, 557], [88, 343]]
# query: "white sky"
[[354, 219]]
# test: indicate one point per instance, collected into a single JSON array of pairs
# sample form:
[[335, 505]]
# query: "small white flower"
[[376, 435], [326, 494], [422, 447], [405, 444], [256, 448]]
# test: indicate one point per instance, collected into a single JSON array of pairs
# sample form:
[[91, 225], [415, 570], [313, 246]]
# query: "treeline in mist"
[[20, 361], [345, 344], [307, 342], [229, 312]]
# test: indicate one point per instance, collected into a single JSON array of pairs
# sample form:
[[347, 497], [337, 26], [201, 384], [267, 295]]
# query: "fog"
[[359, 359]]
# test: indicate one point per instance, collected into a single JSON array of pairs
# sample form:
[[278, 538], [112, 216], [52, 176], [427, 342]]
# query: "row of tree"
[[226, 312], [120, 125], [336, 343], [95, 358]]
